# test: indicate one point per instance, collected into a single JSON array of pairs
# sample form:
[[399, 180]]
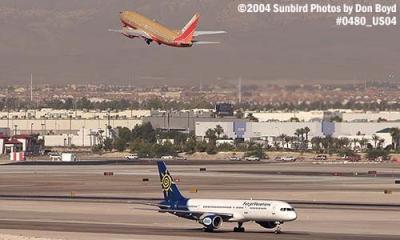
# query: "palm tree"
[[219, 130], [395, 133], [375, 138], [297, 133], [302, 133], [342, 143], [210, 134], [287, 140], [355, 141], [327, 143], [307, 131], [282, 138], [316, 143], [363, 142], [381, 142]]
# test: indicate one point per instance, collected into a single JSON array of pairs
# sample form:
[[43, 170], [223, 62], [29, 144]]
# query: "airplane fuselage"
[[156, 32], [241, 210]]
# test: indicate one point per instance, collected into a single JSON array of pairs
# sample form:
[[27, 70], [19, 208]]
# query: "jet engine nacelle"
[[211, 221], [268, 225], [129, 36]]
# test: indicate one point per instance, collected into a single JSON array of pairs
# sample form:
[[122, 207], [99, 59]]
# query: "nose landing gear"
[[239, 228]]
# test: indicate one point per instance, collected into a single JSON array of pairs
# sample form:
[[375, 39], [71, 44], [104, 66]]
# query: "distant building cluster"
[[59, 128], [372, 95]]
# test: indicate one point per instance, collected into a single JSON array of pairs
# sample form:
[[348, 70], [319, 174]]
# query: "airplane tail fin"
[[170, 190], [187, 32]]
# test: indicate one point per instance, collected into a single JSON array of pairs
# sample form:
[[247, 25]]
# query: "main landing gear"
[[278, 228], [239, 228]]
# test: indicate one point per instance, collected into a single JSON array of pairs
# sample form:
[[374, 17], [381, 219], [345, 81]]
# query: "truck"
[[132, 156], [68, 157]]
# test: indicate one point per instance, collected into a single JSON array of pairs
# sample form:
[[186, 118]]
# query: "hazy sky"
[[67, 42]]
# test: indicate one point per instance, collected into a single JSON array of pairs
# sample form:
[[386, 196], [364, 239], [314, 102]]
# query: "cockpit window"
[[287, 209]]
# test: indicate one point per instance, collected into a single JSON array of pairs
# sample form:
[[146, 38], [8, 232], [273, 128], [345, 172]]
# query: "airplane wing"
[[149, 204], [225, 216], [199, 33], [131, 32]]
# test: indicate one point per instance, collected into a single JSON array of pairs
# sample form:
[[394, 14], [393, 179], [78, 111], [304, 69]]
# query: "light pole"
[[31, 128], [70, 129]]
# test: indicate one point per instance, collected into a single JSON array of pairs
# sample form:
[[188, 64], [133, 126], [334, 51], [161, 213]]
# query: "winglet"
[[187, 32]]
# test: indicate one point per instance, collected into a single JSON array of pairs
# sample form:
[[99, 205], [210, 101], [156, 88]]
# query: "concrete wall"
[[274, 129], [370, 116], [84, 138], [61, 126], [62, 113], [260, 129], [286, 116], [364, 128]]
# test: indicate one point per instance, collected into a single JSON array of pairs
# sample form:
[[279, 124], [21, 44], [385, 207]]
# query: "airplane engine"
[[268, 225], [211, 222]]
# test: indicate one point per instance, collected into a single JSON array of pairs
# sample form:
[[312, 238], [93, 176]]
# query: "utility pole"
[[31, 87], [240, 90], [70, 129]]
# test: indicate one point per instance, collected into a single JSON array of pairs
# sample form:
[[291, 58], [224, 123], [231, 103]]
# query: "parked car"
[[252, 158], [286, 159], [167, 157], [354, 158], [235, 158], [54, 156], [321, 157], [132, 156]]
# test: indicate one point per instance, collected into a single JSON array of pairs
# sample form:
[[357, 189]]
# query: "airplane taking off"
[[135, 25], [211, 213]]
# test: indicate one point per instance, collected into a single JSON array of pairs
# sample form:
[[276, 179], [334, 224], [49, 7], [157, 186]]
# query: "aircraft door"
[[273, 210]]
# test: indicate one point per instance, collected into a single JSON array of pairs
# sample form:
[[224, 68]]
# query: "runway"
[[189, 233], [57, 201]]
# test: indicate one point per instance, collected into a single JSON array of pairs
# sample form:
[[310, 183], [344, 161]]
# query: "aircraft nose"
[[294, 216]]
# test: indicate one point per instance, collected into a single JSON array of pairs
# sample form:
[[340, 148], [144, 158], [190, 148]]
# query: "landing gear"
[[148, 41], [278, 228], [239, 228]]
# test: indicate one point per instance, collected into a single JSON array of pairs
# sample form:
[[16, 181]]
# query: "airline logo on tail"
[[166, 182], [187, 32], [168, 186]]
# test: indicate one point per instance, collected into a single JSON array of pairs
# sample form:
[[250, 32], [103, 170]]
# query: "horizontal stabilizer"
[[200, 33]]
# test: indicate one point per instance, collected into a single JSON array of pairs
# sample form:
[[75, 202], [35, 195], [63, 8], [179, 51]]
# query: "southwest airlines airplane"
[[211, 213], [135, 25]]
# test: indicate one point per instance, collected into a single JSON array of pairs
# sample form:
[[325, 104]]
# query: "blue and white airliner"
[[211, 213]]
